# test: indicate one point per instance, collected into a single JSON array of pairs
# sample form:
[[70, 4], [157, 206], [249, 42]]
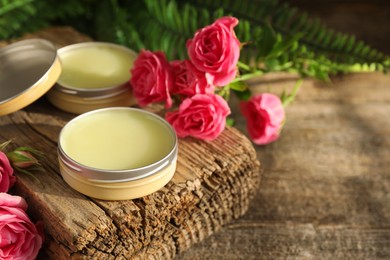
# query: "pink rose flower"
[[202, 116], [188, 80], [7, 179], [19, 237], [152, 78], [265, 117], [215, 50]]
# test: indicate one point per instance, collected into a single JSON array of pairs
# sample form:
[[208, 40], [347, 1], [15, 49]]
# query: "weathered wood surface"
[[213, 185], [325, 189]]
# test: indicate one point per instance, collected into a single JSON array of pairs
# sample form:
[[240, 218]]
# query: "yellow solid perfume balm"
[[95, 66], [117, 153], [94, 75]]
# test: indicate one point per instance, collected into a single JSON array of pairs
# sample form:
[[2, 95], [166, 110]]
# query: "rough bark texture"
[[213, 185]]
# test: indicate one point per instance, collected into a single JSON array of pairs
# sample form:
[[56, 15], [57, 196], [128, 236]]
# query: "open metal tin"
[[94, 75], [30, 68], [117, 153]]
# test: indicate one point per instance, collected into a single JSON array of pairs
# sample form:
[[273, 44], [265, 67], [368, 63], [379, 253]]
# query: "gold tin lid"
[[28, 69]]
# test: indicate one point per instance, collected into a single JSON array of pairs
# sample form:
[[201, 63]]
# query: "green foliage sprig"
[[277, 36], [21, 16]]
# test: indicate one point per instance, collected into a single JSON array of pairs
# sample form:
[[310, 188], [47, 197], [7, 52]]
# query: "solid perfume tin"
[[117, 153], [94, 75], [28, 69]]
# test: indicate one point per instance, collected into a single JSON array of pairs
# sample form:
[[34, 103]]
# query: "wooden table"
[[325, 192]]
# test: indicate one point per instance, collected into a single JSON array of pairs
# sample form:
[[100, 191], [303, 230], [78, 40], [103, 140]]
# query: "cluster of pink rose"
[[19, 237], [213, 52]]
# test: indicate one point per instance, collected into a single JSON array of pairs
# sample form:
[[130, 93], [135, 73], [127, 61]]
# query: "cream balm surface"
[[117, 139], [95, 65]]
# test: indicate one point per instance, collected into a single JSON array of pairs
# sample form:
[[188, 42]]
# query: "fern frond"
[[15, 16], [278, 37], [342, 50], [21, 16], [168, 26]]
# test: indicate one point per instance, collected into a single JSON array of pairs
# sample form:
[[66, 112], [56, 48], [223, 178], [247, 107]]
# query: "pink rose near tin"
[[153, 78], [202, 116], [265, 117], [189, 80], [215, 50], [19, 237], [7, 177]]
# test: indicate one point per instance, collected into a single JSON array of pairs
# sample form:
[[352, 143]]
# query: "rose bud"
[[22, 159]]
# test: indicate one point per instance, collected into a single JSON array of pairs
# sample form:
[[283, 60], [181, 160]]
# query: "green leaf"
[[284, 44], [238, 86], [268, 19], [272, 64], [29, 173], [243, 95], [267, 40], [4, 145], [277, 34], [230, 121], [289, 98]]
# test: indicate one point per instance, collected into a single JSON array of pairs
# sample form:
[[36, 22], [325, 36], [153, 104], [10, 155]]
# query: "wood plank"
[[325, 189]]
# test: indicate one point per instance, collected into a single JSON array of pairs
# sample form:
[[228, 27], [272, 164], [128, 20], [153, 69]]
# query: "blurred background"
[[367, 20]]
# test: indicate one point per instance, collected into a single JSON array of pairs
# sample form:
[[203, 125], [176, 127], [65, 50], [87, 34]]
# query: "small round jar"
[[28, 69], [94, 75], [117, 153]]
